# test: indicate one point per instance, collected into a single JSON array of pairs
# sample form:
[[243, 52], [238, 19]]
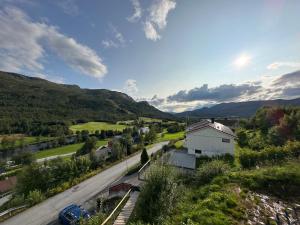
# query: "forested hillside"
[[27, 103]]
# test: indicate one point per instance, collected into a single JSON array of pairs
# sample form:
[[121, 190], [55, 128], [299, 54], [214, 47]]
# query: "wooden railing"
[[113, 214], [144, 167]]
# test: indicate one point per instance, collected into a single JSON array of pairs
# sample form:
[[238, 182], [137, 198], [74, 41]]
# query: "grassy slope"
[[64, 150], [226, 199], [168, 137], [93, 126]]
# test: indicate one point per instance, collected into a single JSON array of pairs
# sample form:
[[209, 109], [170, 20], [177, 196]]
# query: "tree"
[[24, 158], [242, 138], [116, 150], [144, 156], [88, 146], [151, 135]]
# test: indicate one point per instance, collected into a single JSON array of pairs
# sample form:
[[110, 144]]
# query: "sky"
[[176, 54]]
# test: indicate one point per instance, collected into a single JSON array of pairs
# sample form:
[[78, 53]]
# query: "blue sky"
[[177, 54]]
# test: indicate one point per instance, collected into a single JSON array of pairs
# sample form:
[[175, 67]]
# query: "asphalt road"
[[53, 157], [47, 211]]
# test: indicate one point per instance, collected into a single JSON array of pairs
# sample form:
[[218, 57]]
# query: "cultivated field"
[[93, 126]]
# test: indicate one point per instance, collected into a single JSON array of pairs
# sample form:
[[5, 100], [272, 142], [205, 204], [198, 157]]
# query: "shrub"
[[35, 197], [210, 170], [158, 195], [282, 180], [249, 158]]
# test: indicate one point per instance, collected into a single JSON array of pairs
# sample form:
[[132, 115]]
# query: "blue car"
[[72, 214]]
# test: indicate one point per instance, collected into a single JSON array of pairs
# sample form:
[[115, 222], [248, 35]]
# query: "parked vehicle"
[[72, 214]]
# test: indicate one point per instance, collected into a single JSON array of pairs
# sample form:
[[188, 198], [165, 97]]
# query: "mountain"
[[237, 109], [30, 99]]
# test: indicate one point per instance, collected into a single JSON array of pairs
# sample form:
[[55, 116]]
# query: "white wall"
[[209, 141]]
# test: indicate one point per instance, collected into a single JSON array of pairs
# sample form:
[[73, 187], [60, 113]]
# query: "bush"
[[24, 158], [35, 197], [158, 195], [282, 181], [249, 158], [210, 170]]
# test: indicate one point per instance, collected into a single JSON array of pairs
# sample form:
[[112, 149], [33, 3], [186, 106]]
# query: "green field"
[[168, 137], [93, 126], [150, 120], [64, 149], [19, 138]]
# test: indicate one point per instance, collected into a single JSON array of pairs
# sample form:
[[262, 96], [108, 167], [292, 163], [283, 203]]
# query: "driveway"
[[47, 211]]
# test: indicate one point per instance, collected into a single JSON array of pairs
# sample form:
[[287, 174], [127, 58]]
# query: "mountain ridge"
[[32, 99], [237, 109]]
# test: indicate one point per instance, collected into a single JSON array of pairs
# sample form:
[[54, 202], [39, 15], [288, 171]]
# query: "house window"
[[197, 151], [226, 140]]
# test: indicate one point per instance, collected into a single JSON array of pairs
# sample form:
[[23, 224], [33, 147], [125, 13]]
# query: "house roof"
[[208, 124], [8, 184]]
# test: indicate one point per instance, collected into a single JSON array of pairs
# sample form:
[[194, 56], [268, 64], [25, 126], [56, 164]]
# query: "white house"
[[144, 130], [209, 138]]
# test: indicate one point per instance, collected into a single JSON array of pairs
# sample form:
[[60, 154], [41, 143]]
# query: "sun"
[[242, 61]]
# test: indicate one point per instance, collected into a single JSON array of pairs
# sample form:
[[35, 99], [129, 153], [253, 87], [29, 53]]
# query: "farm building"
[[209, 138]]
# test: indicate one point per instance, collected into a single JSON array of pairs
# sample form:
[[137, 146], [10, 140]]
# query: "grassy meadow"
[[64, 149], [93, 126]]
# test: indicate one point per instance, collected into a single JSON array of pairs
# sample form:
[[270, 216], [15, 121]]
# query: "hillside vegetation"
[[28, 103], [260, 185]]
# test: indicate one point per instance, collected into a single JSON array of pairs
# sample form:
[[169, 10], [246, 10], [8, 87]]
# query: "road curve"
[[47, 211]]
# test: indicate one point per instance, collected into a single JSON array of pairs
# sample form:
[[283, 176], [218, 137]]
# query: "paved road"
[[54, 157], [47, 211]]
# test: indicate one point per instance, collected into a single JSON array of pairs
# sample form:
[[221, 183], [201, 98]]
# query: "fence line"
[[11, 210]]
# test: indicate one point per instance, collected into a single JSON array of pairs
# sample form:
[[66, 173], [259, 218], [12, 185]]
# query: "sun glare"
[[242, 61]]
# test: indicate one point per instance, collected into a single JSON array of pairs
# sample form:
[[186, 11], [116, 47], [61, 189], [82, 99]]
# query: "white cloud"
[[151, 32], [157, 19], [109, 44], [137, 11], [277, 65], [69, 7], [23, 42], [285, 86], [130, 87], [117, 41]]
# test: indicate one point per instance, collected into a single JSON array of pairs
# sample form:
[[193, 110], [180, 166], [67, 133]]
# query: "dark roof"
[[207, 123]]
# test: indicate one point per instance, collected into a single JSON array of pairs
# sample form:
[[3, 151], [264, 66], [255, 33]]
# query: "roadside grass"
[[65, 149], [168, 136], [93, 126], [133, 169]]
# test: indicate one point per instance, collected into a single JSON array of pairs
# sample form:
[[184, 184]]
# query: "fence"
[[144, 167]]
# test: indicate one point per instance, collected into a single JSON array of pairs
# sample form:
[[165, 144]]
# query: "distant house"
[[144, 130], [209, 138], [103, 152]]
